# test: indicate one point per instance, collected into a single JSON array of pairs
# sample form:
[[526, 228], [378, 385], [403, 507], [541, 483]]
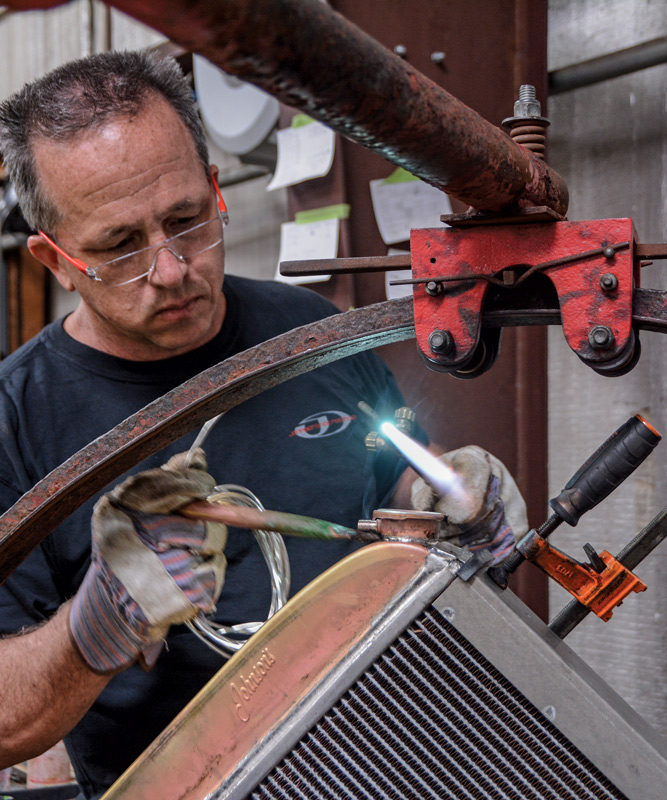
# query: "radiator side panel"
[[558, 682]]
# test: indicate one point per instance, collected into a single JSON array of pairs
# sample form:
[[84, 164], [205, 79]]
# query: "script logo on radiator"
[[323, 423], [245, 687]]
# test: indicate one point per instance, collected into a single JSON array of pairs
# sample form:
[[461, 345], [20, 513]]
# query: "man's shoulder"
[[30, 356], [275, 295]]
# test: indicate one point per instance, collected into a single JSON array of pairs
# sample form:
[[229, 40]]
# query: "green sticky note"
[[299, 120], [400, 175], [338, 211]]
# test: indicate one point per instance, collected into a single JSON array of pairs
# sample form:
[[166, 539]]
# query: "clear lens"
[[184, 245]]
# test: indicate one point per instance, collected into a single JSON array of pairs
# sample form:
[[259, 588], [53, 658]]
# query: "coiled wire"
[[228, 639]]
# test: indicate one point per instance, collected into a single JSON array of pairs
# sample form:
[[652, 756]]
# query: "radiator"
[[391, 677]]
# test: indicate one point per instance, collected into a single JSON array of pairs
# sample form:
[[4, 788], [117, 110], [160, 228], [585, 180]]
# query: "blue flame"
[[442, 478]]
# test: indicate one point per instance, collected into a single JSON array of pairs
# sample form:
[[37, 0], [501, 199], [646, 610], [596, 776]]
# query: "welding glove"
[[484, 509], [150, 568]]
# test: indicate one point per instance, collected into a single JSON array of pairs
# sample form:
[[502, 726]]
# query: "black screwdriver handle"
[[610, 465]]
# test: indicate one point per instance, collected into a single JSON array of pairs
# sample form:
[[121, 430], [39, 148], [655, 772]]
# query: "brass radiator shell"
[[548, 723]]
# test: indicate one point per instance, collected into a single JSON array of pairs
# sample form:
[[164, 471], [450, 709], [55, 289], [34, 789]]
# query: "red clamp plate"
[[594, 282]]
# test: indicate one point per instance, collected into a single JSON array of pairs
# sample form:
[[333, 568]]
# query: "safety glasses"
[[139, 264]]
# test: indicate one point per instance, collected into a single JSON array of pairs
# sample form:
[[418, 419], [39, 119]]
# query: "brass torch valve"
[[404, 420]]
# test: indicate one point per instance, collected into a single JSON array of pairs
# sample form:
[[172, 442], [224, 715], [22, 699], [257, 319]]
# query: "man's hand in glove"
[[484, 509], [151, 567]]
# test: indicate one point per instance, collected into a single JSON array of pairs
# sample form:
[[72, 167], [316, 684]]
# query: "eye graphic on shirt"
[[322, 423]]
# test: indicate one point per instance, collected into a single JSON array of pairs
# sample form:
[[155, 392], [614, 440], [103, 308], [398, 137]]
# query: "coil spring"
[[531, 133]]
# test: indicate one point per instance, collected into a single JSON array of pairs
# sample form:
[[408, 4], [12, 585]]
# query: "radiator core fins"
[[432, 718]]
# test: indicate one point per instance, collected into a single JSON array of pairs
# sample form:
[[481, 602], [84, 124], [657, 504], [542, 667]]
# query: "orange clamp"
[[601, 591]]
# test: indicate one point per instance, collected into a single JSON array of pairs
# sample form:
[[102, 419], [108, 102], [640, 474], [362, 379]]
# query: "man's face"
[[138, 180]]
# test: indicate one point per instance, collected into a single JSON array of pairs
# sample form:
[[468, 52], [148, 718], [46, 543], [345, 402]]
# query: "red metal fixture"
[[592, 265]]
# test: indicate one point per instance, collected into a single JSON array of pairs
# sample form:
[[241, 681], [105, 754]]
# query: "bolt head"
[[401, 50], [609, 252], [441, 342], [601, 337], [609, 282], [433, 288]]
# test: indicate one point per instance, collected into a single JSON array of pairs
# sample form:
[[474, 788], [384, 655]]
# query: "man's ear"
[[51, 260]]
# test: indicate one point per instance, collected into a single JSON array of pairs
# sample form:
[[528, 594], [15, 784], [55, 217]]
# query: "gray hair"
[[80, 96]]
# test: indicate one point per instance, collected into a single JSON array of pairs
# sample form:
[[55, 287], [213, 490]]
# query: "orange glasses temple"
[[83, 267], [77, 262], [221, 203]]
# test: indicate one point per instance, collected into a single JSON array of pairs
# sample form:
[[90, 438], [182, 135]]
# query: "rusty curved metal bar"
[[55, 497], [217, 389], [313, 59]]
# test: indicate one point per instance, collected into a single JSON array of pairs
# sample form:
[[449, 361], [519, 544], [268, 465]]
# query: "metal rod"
[[632, 554], [187, 408], [544, 265], [325, 266], [266, 520], [362, 90], [596, 70]]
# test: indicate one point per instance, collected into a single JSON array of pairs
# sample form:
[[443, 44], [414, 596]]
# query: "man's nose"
[[168, 268]]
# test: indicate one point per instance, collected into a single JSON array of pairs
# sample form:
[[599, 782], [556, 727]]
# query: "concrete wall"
[[609, 141]]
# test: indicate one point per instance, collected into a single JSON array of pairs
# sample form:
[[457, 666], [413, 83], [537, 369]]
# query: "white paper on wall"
[[304, 152], [301, 241], [407, 203]]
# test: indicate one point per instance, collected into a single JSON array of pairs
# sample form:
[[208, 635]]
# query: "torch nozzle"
[[442, 478]]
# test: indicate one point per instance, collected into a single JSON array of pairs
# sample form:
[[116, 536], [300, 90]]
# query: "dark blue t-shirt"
[[298, 446]]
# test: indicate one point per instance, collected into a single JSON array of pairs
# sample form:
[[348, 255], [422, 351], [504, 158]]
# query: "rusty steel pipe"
[[310, 57]]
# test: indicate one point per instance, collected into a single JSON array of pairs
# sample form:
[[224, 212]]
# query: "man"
[[109, 160]]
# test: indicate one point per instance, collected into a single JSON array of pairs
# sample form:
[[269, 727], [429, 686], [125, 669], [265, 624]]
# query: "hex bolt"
[[438, 58], [528, 127], [609, 282], [601, 337], [401, 50], [441, 342], [527, 104], [609, 252], [434, 288]]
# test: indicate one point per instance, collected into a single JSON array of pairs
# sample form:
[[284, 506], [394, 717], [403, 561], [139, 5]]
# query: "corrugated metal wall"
[[609, 141], [32, 43]]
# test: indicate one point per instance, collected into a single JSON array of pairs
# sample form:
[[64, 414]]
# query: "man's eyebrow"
[[109, 234], [185, 205]]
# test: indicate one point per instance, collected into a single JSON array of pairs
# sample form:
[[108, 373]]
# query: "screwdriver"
[[614, 461]]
